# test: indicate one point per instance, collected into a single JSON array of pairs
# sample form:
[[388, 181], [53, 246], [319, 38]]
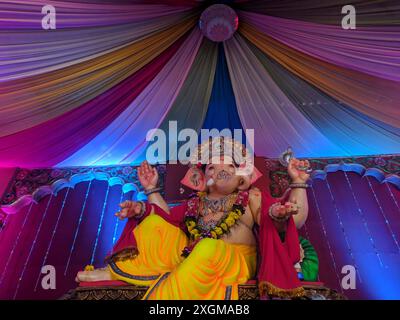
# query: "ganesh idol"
[[227, 233]]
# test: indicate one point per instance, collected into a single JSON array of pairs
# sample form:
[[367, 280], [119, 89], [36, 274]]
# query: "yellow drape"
[[213, 270], [159, 245]]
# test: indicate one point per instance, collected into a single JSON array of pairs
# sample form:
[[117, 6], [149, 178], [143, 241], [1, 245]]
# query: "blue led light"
[[52, 237], [343, 230], [77, 228], [32, 247], [393, 197], [363, 219], [326, 236], [15, 243], [100, 224], [117, 219], [383, 214]]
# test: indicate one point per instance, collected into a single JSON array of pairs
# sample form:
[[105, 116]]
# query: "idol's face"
[[222, 178]]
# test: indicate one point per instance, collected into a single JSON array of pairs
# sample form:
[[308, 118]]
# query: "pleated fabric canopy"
[[87, 92]]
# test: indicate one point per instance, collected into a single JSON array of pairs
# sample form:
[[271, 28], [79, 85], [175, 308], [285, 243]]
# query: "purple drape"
[[373, 50], [75, 14], [53, 141]]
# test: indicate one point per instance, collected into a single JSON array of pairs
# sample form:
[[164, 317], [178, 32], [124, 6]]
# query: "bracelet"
[[153, 190], [142, 210], [299, 185], [276, 218]]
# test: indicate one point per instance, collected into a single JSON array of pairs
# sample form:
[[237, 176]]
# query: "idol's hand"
[[298, 170], [129, 209], [285, 210], [148, 176]]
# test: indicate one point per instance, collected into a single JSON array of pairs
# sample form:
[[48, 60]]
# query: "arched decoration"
[[32, 185], [382, 168]]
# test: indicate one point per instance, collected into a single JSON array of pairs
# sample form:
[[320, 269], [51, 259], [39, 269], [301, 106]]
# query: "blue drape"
[[222, 112]]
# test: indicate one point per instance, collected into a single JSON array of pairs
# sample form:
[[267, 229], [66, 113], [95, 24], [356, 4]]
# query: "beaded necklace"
[[222, 227]]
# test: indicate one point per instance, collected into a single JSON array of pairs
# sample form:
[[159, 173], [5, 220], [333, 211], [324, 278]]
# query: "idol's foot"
[[101, 274]]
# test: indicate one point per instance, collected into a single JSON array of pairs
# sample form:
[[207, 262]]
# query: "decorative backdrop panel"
[[354, 220]]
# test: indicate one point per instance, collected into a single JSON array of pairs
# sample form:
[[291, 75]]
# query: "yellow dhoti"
[[213, 270]]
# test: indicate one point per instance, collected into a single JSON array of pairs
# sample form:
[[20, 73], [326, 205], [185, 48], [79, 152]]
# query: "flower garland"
[[222, 228]]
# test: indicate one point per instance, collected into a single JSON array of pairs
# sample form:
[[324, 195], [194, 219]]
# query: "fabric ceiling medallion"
[[219, 22]]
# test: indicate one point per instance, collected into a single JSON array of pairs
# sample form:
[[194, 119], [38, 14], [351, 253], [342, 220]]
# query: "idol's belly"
[[240, 234]]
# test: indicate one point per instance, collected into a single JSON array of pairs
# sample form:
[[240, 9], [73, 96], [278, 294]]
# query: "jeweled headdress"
[[217, 150]]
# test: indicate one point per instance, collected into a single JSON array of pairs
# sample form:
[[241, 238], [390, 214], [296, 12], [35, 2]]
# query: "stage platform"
[[117, 290]]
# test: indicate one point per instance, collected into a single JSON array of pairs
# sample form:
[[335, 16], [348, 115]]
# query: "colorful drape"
[[370, 12], [87, 92], [336, 121], [55, 140], [375, 97], [263, 106], [131, 127], [370, 50]]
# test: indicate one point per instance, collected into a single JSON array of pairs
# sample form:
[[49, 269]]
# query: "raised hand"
[[129, 209], [285, 210], [148, 176], [297, 170]]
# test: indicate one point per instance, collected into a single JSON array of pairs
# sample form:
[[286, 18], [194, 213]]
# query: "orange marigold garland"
[[222, 228]]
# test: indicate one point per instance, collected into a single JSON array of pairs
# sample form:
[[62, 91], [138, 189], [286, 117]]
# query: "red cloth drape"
[[276, 274]]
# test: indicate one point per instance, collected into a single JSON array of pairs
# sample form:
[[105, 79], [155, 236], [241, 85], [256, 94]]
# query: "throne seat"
[[120, 290]]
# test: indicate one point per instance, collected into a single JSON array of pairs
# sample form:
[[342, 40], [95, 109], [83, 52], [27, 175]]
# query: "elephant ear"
[[248, 180], [256, 175], [195, 179]]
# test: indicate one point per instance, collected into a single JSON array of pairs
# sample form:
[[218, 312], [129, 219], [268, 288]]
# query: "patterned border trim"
[[385, 168], [162, 278], [114, 267], [31, 185], [118, 271], [228, 293]]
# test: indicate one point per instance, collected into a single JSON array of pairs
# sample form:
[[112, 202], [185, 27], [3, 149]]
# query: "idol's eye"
[[210, 169]]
